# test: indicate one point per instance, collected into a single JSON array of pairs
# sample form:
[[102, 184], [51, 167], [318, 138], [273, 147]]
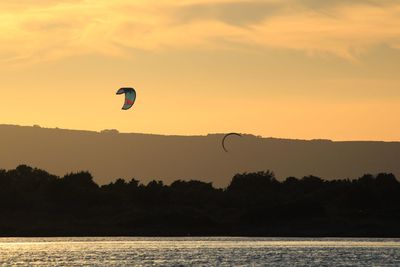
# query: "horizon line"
[[116, 131]]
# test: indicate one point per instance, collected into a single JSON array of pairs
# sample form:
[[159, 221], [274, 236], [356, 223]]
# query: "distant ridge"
[[109, 155]]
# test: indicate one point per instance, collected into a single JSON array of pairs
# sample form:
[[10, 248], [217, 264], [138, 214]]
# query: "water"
[[193, 251]]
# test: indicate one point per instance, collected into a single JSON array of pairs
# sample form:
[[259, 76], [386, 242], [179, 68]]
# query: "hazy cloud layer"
[[32, 31], [236, 13]]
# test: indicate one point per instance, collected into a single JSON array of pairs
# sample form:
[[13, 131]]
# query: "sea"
[[198, 251]]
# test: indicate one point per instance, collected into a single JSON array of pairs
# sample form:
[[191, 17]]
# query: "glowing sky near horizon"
[[284, 68]]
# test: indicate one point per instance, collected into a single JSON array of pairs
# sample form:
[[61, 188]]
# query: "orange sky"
[[284, 68]]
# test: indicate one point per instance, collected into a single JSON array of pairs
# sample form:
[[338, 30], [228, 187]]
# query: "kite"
[[223, 140], [130, 96]]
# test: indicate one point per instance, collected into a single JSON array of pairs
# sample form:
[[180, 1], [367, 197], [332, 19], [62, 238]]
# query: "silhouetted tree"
[[34, 202]]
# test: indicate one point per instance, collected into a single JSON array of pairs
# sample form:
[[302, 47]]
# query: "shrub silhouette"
[[34, 202]]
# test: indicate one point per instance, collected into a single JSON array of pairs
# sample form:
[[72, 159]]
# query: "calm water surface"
[[127, 251]]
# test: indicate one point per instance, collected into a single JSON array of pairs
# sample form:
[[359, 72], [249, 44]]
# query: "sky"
[[303, 69]]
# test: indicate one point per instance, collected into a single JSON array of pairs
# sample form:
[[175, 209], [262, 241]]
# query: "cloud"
[[236, 13], [9, 5], [340, 3], [34, 31]]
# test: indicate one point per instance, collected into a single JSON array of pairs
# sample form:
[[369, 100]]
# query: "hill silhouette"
[[109, 155], [36, 203]]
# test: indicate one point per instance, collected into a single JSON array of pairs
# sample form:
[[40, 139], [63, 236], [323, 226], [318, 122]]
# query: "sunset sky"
[[284, 68]]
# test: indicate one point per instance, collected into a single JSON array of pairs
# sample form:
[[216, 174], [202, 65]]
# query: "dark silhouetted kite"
[[223, 139]]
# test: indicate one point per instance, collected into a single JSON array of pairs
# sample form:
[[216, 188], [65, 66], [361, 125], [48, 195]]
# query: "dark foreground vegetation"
[[36, 203]]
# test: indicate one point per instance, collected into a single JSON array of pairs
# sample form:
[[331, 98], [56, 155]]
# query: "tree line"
[[34, 202]]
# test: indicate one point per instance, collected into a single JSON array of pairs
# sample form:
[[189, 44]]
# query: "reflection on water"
[[199, 251]]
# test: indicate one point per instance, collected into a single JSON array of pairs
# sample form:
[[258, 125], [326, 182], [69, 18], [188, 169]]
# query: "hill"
[[109, 155]]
